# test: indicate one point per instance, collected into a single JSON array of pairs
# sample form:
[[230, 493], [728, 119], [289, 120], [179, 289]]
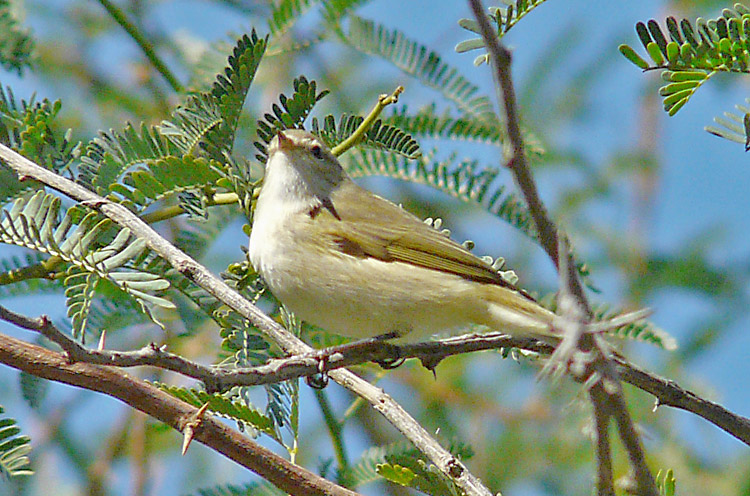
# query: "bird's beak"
[[284, 143]]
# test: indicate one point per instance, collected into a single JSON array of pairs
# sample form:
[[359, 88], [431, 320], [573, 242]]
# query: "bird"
[[344, 259]]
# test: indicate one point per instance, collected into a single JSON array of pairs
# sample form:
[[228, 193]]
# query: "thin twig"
[[144, 44], [383, 101], [605, 382], [669, 393]]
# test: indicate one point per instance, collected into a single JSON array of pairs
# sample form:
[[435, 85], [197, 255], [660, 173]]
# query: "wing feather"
[[372, 226]]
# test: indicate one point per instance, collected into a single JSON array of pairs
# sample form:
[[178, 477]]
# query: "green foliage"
[[504, 19], [184, 155], [28, 127], [230, 90], [378, 135], [690, 53], [291, 114], [642, 331], [402, 464], [14, 449], [247, 347], [464, 180], [225, 405], [112, 153], [418, 61], [286, 12], [252, 489], [34, 389], [164, 177], [666, 482], [415, 472], [93, 251], [427, 123], [16, 45], [734, 127]]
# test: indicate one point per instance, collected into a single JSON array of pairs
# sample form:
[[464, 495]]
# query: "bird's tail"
[[511, 312]]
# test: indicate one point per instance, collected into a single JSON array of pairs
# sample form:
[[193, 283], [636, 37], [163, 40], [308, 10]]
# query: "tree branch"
[[173, 412], [666, 392], [148, 50], [606, 388]]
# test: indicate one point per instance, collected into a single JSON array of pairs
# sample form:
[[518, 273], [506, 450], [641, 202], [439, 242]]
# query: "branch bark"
[[606, 391], [173, 412], [667, 392]]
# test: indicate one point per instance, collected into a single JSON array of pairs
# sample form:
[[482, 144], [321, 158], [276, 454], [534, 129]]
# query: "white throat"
[[284, 197]]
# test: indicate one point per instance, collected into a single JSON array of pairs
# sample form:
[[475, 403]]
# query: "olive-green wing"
[[372, 226]]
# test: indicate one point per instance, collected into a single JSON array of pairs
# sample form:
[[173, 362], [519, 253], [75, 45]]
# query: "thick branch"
[[173, 412]]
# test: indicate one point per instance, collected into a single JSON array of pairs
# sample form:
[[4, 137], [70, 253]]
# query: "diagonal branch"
[[147, 398], [144, 44]]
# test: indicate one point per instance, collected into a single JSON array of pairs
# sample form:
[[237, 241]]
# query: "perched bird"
[[342, 258]]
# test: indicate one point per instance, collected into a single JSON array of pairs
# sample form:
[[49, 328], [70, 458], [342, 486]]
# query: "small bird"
[[347, 260]]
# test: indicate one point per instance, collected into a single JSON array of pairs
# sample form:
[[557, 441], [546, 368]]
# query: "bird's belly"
[[364, 297]]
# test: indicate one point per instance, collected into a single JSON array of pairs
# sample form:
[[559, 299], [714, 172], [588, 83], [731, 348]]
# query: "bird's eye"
[[317, 151]]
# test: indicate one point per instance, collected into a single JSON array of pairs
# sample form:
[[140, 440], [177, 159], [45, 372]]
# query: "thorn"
[[657, 404], [102, 340], [189, 431], [619, 321], [187, 438]]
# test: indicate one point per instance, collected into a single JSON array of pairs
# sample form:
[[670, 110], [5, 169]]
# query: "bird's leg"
[[376, 343], [320, 380]]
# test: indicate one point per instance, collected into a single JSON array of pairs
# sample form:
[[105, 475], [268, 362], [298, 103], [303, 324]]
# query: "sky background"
[[702, 191]]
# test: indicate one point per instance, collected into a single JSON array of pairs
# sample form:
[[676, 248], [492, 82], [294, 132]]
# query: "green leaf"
[[666, 482], [34, 389], [504, 19], [225, 405], [291, 114], [17, 48], [630, 54], [642, 331], [91, 247], [230, 90], [14, 449], [379, 135], [699, 50], [655, 53], [396, 473], [420, 62], [286, 12]]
